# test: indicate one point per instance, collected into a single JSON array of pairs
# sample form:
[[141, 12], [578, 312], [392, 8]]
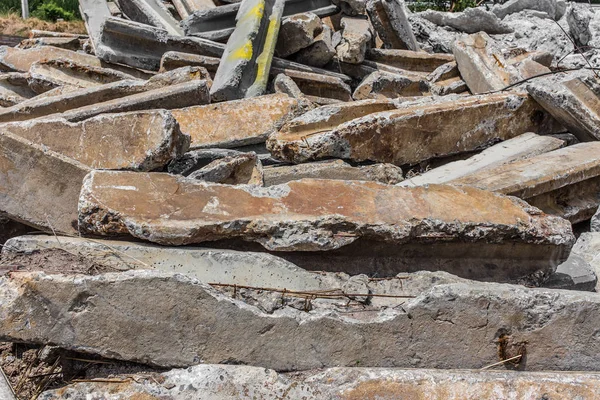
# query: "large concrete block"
[[357, 38], [236, 123], [409, 60], [246, 61], [141, 141], [575, 103], [418, 131], [389, 18], [471, 20], [14, 89], [564, 182], [151, 12], [383, 85], [38, 186], [240, 382], [521, 147], [449, 326], [288, 218], [297, 33]]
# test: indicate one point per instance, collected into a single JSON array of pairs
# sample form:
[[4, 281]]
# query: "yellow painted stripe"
[[255, 12], [264, 59], [244, 52]]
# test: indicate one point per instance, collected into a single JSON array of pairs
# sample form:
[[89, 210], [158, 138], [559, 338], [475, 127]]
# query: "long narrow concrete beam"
[[450, 326], [575, 103], [417, 131], [418, 61], [38, 186], [94, 13], [246, 61], [187, 7], [219, 23], [236, 123], [241, 382], [389, 18], [518, 148], [151, 12], [141, 141], [564, 182]]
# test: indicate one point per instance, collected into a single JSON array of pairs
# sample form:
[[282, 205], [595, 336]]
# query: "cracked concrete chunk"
[[109, 315], [38, 186], [383, 85], [236, 123], [564, 182], [297, 32], [419, 131], [518, 148], [575, 103], [17, 60], [151, 12], [14, 89], [515, 6], [318, 85], [242, 169], [357, 38], [336, 169], [320, 52], [416, 61], [156, 207], [471, 20], [389, 18], [141, 141]]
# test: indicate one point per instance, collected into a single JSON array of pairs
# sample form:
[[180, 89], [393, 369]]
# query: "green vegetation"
[[47, 10], [442, 5]]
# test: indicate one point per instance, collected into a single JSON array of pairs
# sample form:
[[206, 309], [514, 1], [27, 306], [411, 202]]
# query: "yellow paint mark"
[[264, 60], [255, 12], [244, 52]]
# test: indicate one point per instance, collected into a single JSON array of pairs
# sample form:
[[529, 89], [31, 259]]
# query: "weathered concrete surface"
[[471, 20], [575, 103], [484, 68], [419, 131], [409, 60], [330, 116], [17, 60], [38, 186], [242, 169], [357, 38], [389, 18], [246, 61], [564, 182], [515, 6], [94, 13], [588, 247], [320, 52], [236, 382], [186, 7], [236, 123], [297, 33], [14, 89], [175, 96], [141, 141], [336, 169], [151, 12], [69, 43], [175, 59], [317, 85], [449, 326], [383, 85], [518, 148], [283, 218], [42, 106], [574, 274]]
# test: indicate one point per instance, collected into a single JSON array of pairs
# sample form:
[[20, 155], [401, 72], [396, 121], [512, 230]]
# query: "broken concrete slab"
[[418, 61], [235, 382], [563, 182], [357, 38], [297, 32], [246, 61], [151, 12], [518, 148], [61, 102], [236, 123], [14, 89], [94, 14], [320, 52], [142, 46], [175, 96], [588, 247], [317, 85], [265, 213], [575, 103], [141, 141], [336, 169], [484, 68], [574, 274], [418, 131], [330, 116], [382, 85], [554, 328], [389, 18], [449, 86], [17, 60], [218, 23], [69, 43], [175, 59], [471, 20], [39, 187], [515, 6], [242, 169], [186, 7]]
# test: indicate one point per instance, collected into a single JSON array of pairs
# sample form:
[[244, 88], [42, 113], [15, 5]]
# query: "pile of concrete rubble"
[[269, 198]]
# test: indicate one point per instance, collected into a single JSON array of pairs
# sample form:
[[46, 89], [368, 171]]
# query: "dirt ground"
[[12, 24]]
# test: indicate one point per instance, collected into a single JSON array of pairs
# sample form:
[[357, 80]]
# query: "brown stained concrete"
[[143, 140], [38, 186], [437, 225], [418, 132], [409, 60], [235, 123]]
